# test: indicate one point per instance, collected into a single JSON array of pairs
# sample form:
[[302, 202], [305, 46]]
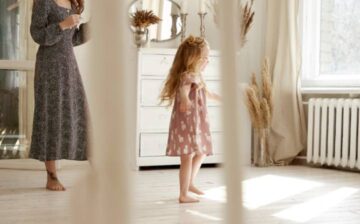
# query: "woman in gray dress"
[[60, 126]]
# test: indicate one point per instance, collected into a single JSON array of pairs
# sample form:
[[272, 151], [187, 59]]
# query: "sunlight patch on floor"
[[264, 190], [160, 202], [204, 216], [216, 194], [306, 211]]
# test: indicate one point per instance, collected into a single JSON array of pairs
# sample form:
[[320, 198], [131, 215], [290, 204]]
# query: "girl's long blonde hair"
[[187, 59]]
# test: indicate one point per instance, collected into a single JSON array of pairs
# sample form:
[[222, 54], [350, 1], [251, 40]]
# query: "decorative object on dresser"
[[174, 16], [153, 119], [165, 21], [202, 23], [202, 13], [183, 15], [260, 106], [183, 29], [141, 20]]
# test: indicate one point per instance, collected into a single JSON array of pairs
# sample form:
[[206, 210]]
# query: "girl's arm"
[[185, 102], [209, 94], [213, 96]]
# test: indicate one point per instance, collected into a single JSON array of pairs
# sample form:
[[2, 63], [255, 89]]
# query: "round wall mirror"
[[169, 12]]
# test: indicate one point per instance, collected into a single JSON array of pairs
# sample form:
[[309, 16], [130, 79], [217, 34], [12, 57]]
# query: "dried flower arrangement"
[[144, 18], [260, 101], [247, 18], [260, 105]]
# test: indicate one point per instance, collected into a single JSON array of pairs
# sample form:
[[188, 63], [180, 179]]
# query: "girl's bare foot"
[[188, 199], [193, 189], [53, 183]]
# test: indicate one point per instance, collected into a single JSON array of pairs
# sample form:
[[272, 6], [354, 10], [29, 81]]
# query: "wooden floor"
[[279, 195]]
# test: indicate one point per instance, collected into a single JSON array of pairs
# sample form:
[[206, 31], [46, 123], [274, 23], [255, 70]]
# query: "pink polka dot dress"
[[189, 131]]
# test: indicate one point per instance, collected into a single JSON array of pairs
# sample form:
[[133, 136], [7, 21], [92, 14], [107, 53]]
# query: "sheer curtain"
[[288, 131]]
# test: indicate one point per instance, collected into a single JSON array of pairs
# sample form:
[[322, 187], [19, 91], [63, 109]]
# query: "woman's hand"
[[70, 22], [185, 105]]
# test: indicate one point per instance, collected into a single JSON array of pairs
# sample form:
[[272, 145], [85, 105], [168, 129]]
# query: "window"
[[330, 43], [16, 75]]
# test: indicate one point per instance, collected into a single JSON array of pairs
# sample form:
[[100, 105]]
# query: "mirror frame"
[[155, 40]]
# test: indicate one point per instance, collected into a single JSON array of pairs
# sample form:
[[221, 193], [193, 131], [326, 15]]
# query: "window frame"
[[311, 36], [26, 65]]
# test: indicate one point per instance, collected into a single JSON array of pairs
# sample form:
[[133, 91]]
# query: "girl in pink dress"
[[189, 132]]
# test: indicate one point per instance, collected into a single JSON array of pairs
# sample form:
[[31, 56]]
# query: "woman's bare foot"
[[188, 199], [193, 189], [53, 183]]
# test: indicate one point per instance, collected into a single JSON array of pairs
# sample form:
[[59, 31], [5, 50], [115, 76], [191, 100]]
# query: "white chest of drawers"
[[153, 119]]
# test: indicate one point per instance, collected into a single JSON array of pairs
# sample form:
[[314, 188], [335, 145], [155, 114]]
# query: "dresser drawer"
[[153, 144], [150, 91], [157, 119], [156, 64]]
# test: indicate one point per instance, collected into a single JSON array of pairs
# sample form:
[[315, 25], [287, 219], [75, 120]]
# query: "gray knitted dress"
[[60, 125]]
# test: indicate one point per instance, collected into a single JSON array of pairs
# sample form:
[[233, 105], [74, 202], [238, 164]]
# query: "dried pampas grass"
[[144, 18], [266, 84], [259, 101], [247, 19], [255, 85], [266, 113], [254, 107]]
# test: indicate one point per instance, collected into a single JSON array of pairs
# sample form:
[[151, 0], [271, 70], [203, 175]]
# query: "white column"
[[233, 162], [105, 195]]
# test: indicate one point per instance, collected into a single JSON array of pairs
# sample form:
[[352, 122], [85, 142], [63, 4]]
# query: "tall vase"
[[141, 36], [261, 147]]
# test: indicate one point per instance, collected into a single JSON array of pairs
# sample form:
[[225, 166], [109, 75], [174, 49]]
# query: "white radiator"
[[333, 132]]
